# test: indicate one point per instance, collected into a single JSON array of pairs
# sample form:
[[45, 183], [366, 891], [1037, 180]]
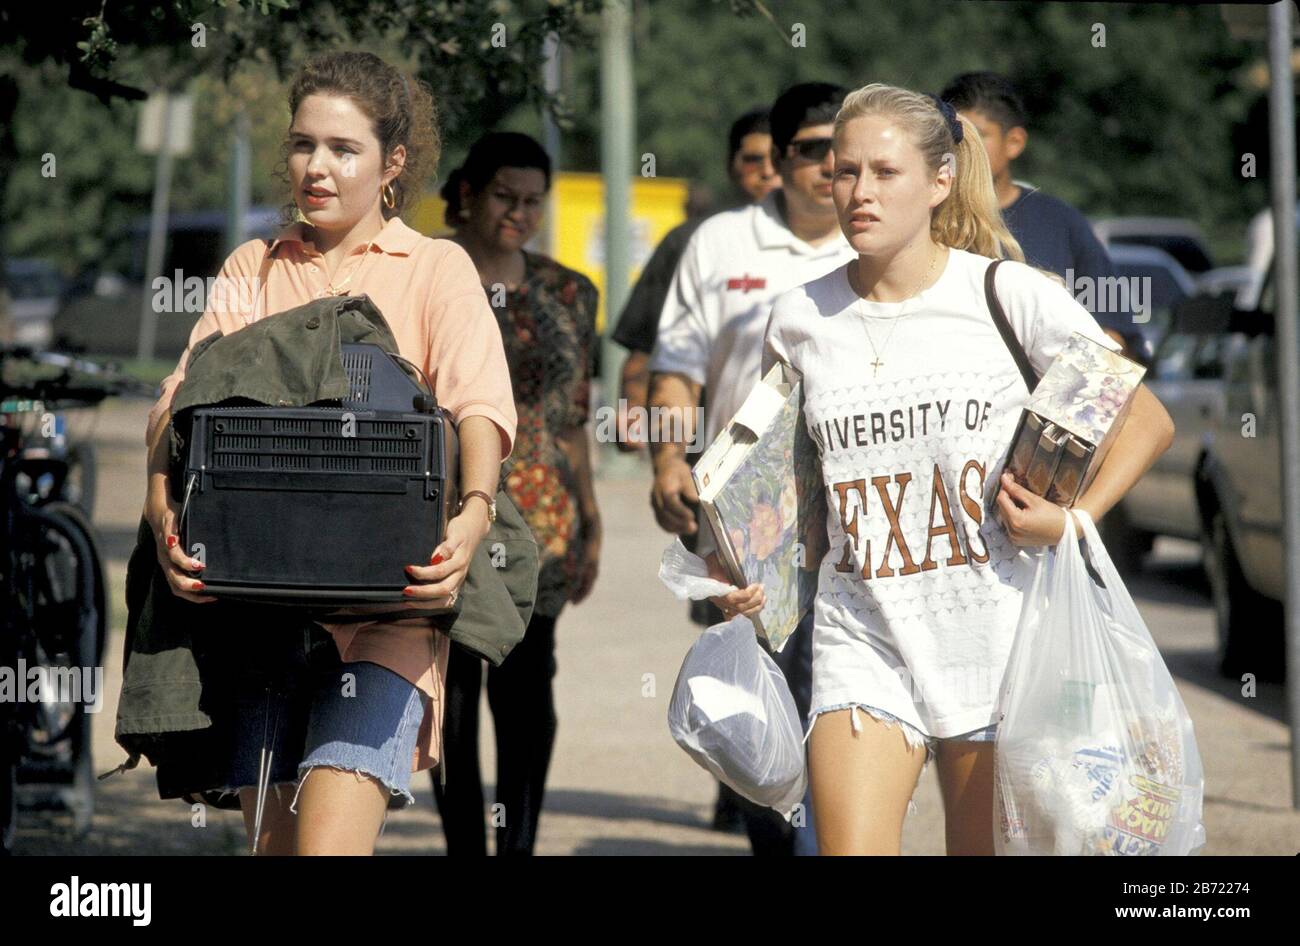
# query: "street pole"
[[162, 187], [551, 80], [1281, 115], [237, 186], [617, 141]]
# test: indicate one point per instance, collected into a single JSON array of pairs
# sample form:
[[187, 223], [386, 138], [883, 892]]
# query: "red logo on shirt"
[[746, 283]]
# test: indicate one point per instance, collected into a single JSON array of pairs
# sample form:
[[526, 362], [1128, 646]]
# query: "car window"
[[1164, 288], [33, 281], [1187, 251]]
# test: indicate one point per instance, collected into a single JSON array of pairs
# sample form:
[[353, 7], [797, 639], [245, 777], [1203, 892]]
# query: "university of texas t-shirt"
[[919, 593]]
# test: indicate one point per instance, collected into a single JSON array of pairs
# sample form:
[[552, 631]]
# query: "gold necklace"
[[876, 364], [333, 290]]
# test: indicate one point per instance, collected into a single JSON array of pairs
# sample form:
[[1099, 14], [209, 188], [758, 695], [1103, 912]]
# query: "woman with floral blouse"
[[547, 316]]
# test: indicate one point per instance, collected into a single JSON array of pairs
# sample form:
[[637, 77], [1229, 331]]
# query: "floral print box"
[[1072, 418], [760, 486]]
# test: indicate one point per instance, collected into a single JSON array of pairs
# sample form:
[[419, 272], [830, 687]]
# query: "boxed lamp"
[[1072, 419]]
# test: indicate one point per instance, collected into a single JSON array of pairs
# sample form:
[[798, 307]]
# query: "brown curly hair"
[[401, 112]]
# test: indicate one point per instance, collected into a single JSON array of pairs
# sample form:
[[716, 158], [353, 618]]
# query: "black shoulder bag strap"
[[1004, 329]]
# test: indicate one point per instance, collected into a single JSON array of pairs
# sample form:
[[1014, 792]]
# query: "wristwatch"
[[491, 503]]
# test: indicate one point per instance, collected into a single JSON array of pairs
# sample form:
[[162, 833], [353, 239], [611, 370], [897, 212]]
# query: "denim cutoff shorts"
[[319, 711], [915, 738]]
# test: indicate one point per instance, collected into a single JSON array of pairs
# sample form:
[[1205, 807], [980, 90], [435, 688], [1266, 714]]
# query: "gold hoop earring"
[[390, 198]]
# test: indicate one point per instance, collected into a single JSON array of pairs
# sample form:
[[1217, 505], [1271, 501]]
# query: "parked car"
[[1186, 374], [36, 289], [1238, 488], [1219, 483], [104, 316], [1167, 284], [1181, 239], [1225, 281]]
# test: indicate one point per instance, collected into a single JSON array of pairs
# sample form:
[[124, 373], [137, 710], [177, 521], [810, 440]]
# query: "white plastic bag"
[[1095, 752], [732, 712], [687, 575], [731, 708]]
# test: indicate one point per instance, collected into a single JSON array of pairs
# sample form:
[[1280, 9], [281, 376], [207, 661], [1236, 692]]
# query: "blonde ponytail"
[[969, 218]]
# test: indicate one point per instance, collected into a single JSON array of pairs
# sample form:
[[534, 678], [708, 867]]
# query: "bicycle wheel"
[[91, 578], [8, 805], [67, 604], [79, 487], [11, 742]]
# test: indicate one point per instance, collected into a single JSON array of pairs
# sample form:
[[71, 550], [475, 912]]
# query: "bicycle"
[[53, 607]]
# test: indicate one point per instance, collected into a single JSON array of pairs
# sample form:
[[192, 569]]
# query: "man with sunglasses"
[[711, 338], [753, 175]]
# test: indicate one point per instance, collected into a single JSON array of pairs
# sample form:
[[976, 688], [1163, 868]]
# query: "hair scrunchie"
[[949, 115]]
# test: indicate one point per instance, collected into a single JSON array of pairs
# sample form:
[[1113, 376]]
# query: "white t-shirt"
[[911, 459], [711, 327]]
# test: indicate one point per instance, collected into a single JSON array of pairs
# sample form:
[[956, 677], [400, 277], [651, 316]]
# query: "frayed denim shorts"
[[358, 717], [915, 738]]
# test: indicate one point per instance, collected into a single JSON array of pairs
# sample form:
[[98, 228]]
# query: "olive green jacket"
[[178, 679]]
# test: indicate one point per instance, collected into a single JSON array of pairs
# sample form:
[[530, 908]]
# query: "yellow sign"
[[427, 217], [658, 205]]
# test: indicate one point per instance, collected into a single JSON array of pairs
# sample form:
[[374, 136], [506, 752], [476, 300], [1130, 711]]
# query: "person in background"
[[700, 201], [710, 339], [753, 176], [547, 317], [749, 164], [1054, 236]]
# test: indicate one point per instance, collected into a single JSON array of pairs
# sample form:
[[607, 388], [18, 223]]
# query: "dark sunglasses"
[[752, 159], [811, 149]]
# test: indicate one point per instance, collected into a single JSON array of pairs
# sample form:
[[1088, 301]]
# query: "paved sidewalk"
[[618, 784]]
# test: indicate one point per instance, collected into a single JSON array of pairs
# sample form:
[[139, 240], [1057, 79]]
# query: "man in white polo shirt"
[[711, 337]]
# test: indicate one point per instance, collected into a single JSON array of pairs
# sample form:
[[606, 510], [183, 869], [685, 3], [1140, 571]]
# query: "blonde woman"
[[912, 397]]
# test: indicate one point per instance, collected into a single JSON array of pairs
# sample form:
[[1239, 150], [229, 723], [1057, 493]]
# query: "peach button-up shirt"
[[429, 293]]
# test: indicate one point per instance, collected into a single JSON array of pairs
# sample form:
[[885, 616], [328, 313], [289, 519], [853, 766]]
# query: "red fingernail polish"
[[436, 560], [198, 586], [171, 541], [408, 591]]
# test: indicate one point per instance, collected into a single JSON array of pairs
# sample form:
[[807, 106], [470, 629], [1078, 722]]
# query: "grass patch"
[[150, 370]]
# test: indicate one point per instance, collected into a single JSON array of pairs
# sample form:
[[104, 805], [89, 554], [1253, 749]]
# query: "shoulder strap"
[[1004, 329]]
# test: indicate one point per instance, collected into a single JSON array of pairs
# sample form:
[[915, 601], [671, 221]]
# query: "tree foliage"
[[1153, 122], [1156, 120]]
